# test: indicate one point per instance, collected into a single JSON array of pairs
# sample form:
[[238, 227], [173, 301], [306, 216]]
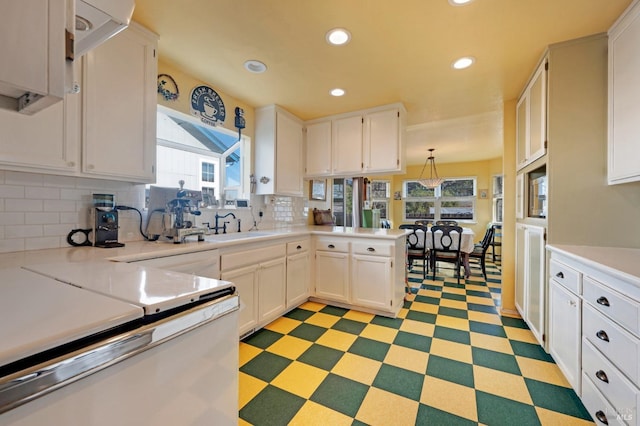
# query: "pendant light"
[[432, 182]]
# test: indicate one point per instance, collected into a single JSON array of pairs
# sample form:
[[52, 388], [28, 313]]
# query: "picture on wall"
[[318, 189]]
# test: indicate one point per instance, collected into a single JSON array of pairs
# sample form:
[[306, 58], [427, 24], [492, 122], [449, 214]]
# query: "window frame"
[[437, 200], [242, 189], [497, 202], [382, 200]]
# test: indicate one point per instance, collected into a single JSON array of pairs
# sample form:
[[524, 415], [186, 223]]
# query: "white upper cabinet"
[[347, 145], [624, 97], [383, 143], [532, 119], [355, 144], [48, 141], [278, 147], [33, 50], [119, 103], [318, 144]]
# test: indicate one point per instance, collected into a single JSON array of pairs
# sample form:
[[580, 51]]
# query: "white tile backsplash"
[[38, 211]]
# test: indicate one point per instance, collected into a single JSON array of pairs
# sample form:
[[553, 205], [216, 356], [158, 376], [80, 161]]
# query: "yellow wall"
[[483, 171], [508, 258], [186, 83]]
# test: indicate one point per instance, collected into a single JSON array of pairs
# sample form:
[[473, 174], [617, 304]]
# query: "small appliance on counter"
[[172, 211], [104, 219]]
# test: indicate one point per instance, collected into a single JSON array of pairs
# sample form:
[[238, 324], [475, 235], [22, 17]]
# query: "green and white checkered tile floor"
[[448, 359]]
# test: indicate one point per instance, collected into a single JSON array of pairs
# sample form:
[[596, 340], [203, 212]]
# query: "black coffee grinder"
[[104, 218]]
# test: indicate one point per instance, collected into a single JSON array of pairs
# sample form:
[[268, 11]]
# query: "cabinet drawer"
[[616, 388], [372, 248], [618, 345], [597, 406], [566, 276], [616, 306], [295, 247], [332, 244], [251, 257]]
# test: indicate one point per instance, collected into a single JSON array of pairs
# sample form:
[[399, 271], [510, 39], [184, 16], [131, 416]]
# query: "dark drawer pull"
[[601, 417], [602, 335], [602, 376], [560, 275], [298, 248], [371, 249], [603, 301], [331, 246]]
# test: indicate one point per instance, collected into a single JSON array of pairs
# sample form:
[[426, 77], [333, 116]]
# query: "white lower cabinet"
[[371, 273], [370, 281], [360, 273], [298, 273], [245, 280], [597, 347], [260, 277], [564, 331], [272, 289], [331, 268], [530, 277]]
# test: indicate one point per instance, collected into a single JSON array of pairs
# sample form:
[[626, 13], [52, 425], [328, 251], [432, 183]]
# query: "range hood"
[[98, 20]]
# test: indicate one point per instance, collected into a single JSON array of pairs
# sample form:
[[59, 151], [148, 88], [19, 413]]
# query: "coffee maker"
[[104, 219]]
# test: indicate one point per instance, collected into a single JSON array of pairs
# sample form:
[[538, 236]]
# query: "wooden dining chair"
[[416, 247], [496, 241], [424, 222], [445, 247], [446, 223], [479, 252]]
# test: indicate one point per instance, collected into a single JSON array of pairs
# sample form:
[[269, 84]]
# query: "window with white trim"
[[497, 199], [379, 194], [211, 159], [453, 199]]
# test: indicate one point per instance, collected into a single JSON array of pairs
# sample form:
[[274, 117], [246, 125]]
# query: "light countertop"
[[140, 250], [623, 263]]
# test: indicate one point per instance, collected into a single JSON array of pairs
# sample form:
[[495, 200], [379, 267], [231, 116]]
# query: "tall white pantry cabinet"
[[573, 161]]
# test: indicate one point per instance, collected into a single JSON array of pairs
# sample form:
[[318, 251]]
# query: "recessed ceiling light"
[[254, 66], [337, 92], [459, 2], [463, 63], [338, 36]]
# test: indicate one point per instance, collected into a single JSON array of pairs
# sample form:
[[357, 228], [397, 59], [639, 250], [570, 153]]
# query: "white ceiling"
[[400, 52]]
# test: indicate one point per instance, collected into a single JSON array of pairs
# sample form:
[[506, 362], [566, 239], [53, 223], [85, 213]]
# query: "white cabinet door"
[[565, 332], [530, 277], [520, 196], [33, 52], [289, 164], [278, 149], [531, 119], [245, 280], [537, 114], [624, 92], [332, 276], [46, 142], [119, 132], [347, 146], [298, 278], [522, 133], [382, 142], [371, 281], [271, 290], [318, 143]]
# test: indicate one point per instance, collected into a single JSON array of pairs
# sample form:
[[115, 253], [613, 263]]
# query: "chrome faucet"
[[224, 224]]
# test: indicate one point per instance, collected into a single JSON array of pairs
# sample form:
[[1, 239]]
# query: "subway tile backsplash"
[[37, 211]]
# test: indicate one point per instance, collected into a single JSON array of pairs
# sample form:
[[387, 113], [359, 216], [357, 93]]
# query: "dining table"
[[467, 243]]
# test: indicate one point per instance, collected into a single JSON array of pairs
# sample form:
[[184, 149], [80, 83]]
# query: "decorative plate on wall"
[[168, 87]]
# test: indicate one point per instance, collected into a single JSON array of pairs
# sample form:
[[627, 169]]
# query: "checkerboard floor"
[[448, 359]]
